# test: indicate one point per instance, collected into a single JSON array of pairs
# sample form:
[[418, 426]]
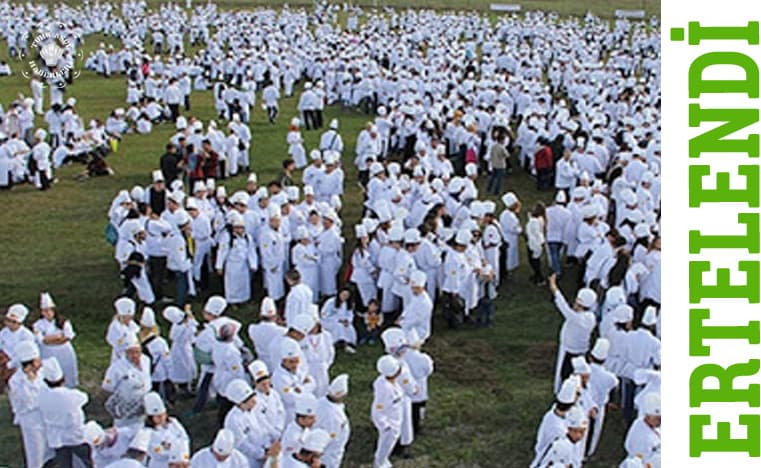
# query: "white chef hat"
[[289, 349], [293, 193], [172, 314], [600, 349], [615, 296], [509, 199], [25, 351], [224, 442], [360, 231], [258, 370], [306, 405], [393, 338], [339, 386], [418, 278], [268, 308], [387, 365], [130, 341], [215, 305], [580, 365], [239, 198], [586, 297], [489, 207], [650, 317], [589, 211], [576, 419], [181, 218], [396, 234], [137, 193], [274, 211], [463, 237], [199, 186], [376, 168], [641, 230], [412, 236], [651, 404], [567, 393], [51, 370], [176, 195], [370, 225], [235, 219], [579, 193], [302, 323], [124, 306], [315, 441], [471, 169], [476, 209], [153, 403], [148, 319], [158, 176], [623, 314], [17, 313], [238, 391]]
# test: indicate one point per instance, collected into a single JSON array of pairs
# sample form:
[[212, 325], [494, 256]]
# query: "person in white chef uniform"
[[54, 334]]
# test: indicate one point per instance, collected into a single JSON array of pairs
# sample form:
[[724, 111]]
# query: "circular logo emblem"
[[51, 57]]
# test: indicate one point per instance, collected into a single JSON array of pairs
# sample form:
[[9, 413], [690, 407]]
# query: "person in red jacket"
[[210, 163], [544, 165]]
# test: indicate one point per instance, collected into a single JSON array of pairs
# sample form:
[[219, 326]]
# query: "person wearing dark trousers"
[[535, 242]]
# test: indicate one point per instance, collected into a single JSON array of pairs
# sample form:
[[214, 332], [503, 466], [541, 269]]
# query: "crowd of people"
[[453, 101]]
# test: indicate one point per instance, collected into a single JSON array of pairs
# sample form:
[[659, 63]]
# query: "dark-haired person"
[[64, 418], [170, 164], [544, 164], [337, 317], [166, 432], [54, 334], [286, 175]]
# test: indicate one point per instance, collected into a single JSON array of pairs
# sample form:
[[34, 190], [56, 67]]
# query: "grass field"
[[490, 387]]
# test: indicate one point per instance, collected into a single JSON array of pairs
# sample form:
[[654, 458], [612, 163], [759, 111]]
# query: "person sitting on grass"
[[373, 321]]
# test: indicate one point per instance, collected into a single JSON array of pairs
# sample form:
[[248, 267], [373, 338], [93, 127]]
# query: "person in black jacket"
[[169, 163]]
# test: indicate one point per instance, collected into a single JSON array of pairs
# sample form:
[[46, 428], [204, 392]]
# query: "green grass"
[[490, 388]]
